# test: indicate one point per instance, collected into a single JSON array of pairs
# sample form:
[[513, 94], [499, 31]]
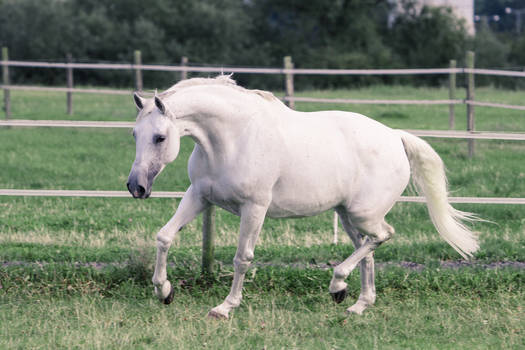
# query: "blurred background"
[[258, 33]]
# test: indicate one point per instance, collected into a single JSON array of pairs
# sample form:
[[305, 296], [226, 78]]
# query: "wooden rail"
[[373, 102], [256, 70], [165, 194], [67, 89], [117, 124]]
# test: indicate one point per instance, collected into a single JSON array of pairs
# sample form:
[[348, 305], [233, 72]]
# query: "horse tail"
[[428, 176]]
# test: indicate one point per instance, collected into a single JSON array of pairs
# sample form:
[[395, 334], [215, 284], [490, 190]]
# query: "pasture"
[[76, 271]]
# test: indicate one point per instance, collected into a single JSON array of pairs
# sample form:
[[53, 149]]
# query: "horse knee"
[[164, 239]]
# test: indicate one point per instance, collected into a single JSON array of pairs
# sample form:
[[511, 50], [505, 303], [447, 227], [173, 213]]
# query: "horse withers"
[[255, 157]]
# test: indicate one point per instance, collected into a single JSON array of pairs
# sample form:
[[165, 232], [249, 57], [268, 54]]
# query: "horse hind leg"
[[365, 246], [367, 296]]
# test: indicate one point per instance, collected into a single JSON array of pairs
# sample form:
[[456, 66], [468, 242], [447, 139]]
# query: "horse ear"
[[160, 105], [139, 101]]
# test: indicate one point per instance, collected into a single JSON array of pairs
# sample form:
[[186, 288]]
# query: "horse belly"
[[299, 208], [309, 193]]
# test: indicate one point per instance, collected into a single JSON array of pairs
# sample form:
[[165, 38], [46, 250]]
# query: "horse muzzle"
[[138, 188], [138, 191]]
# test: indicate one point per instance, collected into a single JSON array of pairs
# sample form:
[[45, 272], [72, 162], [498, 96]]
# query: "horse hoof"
[[216, 315], [169, 298], [358, 308], [338, 297]]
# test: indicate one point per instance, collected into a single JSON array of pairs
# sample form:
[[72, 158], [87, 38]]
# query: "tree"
[[322, 33], [429, 38]]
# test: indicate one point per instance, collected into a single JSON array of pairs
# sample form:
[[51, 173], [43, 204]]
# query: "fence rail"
[[373, 102], [83, 193], [492, 104], [161, 194], [476, 135], [256, 70], [66, 89], [285, 98], [67, 123]]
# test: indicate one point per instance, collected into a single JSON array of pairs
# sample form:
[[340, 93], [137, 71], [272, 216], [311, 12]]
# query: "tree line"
[[317, 34]]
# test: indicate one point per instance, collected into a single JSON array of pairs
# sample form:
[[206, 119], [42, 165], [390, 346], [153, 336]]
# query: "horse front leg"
[[252, 218], [190, 206]]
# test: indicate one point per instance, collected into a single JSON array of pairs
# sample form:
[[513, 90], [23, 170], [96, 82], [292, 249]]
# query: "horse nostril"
[[141, 190], [129, 189]]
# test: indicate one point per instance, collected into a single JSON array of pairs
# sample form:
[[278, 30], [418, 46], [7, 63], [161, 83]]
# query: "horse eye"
[[159, 138]]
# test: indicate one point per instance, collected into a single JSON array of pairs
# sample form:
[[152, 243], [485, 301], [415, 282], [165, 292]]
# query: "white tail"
[[428, 175]]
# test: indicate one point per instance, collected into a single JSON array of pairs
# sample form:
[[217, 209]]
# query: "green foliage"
[[491, 52], [427, 38], [321, 33], [517, 53]]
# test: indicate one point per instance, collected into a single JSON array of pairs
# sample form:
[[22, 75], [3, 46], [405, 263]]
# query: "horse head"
[[157, 142]]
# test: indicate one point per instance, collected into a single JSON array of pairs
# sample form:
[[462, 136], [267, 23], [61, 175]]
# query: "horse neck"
[[214, 124]]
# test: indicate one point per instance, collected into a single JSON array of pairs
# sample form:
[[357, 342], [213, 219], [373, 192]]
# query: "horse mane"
[[225, 80], [222, 79]]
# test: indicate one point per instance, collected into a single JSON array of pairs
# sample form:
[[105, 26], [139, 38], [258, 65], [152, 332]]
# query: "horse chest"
[[229, 193]]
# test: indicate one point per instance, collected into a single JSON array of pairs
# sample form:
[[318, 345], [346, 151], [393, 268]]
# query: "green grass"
[[274, 321], [64, 304], [55, 307]]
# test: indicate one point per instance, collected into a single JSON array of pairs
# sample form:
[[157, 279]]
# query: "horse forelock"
[[149, 105]]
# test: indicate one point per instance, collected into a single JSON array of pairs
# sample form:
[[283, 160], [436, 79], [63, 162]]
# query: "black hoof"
[[338, 297], [169, 298]]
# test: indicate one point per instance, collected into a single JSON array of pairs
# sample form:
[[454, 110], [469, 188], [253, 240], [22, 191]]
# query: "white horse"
[[255, 157]]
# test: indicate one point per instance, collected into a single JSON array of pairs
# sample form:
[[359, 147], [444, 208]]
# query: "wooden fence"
[[289, 72]]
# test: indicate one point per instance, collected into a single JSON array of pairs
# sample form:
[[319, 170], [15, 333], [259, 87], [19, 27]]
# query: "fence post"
[[183, 64], [5, 81], [69, 85], [452, 96], [336, 227], [470, 97], [138, 71], [208, 238], [288, 64]]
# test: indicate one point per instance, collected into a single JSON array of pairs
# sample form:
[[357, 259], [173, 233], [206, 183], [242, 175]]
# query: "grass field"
[[52, 295]]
